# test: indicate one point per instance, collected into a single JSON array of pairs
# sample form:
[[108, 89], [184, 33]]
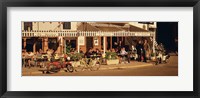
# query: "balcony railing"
[[44, 33]]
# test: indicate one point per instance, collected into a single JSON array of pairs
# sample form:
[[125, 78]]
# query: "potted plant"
[[153, 56], [111, 58], [68, 48], [75, 57]]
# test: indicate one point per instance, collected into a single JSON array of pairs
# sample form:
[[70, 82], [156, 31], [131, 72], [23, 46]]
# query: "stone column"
[[78, 46], [60, 45], [104, 44], [34, 46], [59, 48], [64, 45], [24, 43]]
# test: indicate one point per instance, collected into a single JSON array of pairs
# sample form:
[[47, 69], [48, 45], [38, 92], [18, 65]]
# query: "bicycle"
[[87, 63]]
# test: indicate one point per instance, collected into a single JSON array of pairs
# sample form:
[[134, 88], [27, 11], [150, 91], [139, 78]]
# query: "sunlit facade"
[[82, 35]]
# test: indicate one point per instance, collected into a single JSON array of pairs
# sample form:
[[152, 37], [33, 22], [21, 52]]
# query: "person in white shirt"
[[123, 51], [124, 55], [30, 58]]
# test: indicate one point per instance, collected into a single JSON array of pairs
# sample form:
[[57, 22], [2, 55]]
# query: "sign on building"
[[96, 41]]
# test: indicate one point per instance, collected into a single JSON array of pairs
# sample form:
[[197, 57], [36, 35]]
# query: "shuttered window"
[[67, 25]]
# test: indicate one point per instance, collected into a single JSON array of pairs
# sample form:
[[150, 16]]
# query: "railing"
[[108, 25], [41, 33]]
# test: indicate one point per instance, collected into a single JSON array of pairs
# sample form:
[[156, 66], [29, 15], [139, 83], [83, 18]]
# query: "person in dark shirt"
[[140, 49], [120, 46], [88, 53], [146, 50], [115, 45]]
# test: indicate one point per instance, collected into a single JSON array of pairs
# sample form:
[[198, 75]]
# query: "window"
[[67, 25], [28, 26]]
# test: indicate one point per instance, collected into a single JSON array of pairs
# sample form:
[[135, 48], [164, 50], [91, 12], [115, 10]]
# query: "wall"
[[143, 25], [50, 26]]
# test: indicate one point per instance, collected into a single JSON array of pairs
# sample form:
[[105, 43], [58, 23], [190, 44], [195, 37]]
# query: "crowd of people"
[[141, 51], [31, 59]]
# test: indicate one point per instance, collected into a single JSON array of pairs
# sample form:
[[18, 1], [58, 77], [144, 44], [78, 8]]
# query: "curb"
[[105, 68], [124, 67]]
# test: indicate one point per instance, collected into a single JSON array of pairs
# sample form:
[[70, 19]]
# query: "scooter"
[[161, 58]]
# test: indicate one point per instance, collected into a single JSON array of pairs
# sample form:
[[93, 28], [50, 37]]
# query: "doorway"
[[29, 45], [52, 43], [38, 44], [89, 42]]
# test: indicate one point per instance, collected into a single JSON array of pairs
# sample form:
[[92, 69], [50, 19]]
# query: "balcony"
[[45, 33]]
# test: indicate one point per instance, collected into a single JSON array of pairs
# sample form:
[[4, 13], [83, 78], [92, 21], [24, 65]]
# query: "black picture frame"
[[100, 3]]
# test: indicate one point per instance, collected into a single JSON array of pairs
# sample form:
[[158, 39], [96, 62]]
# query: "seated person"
[[123, 52], [98, 52], [24, 58], [88, 53], [30, 58]]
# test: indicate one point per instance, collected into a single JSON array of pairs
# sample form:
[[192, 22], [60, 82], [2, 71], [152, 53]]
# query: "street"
[[133, 69]]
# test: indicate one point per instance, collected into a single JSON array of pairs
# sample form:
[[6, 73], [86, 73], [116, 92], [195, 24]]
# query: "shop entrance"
[[29, 45], [108, 43], [70, 44], [89, 42], [38, 44], [52, 43]]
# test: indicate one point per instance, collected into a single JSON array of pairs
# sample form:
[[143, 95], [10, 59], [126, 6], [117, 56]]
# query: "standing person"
[[88, 53], [146, 51], [115, 45], [120, 46], [139, 48]]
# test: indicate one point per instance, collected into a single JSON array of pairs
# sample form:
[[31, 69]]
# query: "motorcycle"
[[161, 55], [57, 64]]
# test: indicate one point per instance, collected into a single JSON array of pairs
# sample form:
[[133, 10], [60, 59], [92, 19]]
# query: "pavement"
[[171, 68], [132, 64], [125, 69]]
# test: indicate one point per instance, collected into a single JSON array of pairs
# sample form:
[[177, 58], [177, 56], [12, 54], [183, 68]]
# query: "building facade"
[[82, 35]]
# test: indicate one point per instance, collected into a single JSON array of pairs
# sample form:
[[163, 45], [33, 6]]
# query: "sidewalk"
[[132, 64]]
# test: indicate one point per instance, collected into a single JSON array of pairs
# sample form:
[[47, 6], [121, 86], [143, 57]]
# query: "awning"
[[84, 33]]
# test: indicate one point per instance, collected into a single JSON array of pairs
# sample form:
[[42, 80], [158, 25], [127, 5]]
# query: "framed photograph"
[[131, 48]]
